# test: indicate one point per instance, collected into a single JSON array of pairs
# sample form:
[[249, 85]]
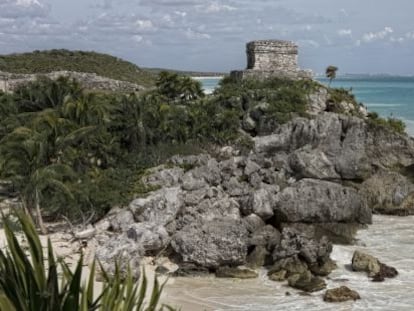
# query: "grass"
[[92, 62]]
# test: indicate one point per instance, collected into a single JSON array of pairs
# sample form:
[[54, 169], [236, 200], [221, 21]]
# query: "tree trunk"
[[40, 223]]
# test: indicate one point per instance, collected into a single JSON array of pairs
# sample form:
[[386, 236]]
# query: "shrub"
[[390, 123]]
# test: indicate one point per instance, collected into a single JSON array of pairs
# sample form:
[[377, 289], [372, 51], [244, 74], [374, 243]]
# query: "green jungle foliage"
[[33, 281], [57, 60], [78, 154]]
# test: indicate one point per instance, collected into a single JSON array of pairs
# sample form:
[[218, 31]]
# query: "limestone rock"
[[385, 272], [163, 176], [260, 203], [323, 269], [159, 207], [340, 294], [389, 193], [311, 201], [312, 163], [293, 243], [258, 257], [307, 282], [317, 101], [253, 223], [286, 268], [354, 147], [212, 243], [208, 209], [150, 236], [121, 251], [267, 236], [365, 263]]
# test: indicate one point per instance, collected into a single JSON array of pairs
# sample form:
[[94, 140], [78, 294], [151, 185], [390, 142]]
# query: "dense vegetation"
[[33, 281], [75, 153], [57, 60]]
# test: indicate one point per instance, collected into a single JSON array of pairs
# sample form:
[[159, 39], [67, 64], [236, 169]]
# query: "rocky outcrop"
[[316, 201], [372, 266], [389, 193], [312, 182], [10, 81], [337, 143], [340, 294], [212, 244]]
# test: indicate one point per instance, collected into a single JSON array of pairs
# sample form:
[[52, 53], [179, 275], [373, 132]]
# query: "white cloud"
[[191, 34], [344, 32], [215, 7], [375, 36]]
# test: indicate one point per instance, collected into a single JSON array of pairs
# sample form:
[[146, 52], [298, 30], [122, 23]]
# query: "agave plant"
[[33, 282]]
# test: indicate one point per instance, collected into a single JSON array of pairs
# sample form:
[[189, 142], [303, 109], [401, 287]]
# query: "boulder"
[[212, 243], [267, 236], [293, 243], [337, 233], [208, 209], [236, 273], [160, 207], [285, 268], [122, 251], [363, 262], [260, 203], [120, 219], [389, 193], [312, 163], [340, 294], [259, 257], [163, 176], [307, 282], [323, 269], [385, 272], [150, 236], [317, 201], [253, 223]]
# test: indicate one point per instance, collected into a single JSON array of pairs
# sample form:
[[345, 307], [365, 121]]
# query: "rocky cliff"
[[282, 205]]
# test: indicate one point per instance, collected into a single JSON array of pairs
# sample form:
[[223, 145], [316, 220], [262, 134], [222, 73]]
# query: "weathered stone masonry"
[[272, 58]]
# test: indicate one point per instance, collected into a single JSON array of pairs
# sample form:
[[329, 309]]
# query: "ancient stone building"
[[272, 58]]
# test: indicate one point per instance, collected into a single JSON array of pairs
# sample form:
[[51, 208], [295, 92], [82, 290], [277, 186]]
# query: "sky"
[[368, 36]]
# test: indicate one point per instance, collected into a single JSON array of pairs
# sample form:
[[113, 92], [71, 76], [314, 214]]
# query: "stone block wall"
[[272, 55], [272, 58]]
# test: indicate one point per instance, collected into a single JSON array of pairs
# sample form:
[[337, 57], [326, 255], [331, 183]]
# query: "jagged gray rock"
[[213, 243], [122, 251], [317, 201], [293, 243], [389, 193], [355, 148], [160, 207]]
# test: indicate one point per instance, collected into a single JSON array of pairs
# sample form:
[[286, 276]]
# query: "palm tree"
[[131, 122], [25, 162], [331, 73]]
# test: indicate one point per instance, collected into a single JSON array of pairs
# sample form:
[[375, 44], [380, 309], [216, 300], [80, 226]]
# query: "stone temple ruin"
[[272, 58]]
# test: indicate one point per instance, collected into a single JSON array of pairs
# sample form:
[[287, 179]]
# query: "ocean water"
[[389, 96]]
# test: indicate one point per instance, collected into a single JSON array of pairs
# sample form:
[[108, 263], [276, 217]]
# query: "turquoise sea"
[[389, 96]]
